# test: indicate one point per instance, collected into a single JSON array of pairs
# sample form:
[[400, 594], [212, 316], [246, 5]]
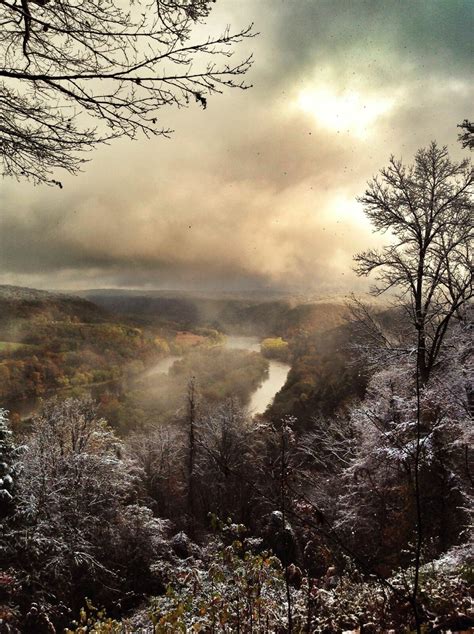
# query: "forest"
[[167, 505], [236, 366]]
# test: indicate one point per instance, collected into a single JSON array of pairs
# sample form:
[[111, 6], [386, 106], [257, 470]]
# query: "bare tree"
[[76, 74], [230, 452], [427, 209], [329, 446], [378, 335], [160, 453]]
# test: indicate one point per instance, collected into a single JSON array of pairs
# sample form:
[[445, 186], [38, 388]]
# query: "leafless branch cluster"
[[76, 74], [467, 135], [427, 209], [378, 335]]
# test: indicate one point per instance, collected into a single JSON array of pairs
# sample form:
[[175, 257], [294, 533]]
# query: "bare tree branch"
[[75, 75]]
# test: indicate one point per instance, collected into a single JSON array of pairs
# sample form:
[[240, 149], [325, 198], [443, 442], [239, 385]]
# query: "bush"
[[275, 348]]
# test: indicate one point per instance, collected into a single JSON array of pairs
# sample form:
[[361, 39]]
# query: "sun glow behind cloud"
[[347, 111]]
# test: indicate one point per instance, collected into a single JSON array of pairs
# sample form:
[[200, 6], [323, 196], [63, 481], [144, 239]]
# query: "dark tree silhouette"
[[466, 137], [191, 431], [427, 209], [76, 74]]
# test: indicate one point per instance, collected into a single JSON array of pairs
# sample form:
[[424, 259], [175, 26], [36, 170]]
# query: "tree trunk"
[[191, 455]]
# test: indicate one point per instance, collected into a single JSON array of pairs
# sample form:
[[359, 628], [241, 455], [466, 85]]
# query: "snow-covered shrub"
[[8, 457], [232, 589]]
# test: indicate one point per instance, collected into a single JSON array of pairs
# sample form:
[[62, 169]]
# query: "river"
[[263, 396]]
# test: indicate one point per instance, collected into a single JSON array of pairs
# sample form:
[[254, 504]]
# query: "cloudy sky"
[[259, 189]]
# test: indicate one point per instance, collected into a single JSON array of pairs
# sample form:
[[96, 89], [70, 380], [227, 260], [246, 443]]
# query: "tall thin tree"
[[426, 208]]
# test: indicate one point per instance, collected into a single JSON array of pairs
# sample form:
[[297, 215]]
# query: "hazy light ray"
[[349, 111]]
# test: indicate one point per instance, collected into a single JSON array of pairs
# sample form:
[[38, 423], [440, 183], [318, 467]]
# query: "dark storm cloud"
[[362, 35], [258, 189]]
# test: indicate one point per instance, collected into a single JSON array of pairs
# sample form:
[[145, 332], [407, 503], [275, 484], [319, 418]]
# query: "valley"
[[236, 302], [135, 353]]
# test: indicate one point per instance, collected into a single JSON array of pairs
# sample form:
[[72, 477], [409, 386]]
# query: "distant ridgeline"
[[50, 341], [244, 314], [19, 303]]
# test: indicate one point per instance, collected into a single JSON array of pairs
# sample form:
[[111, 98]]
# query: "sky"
[[259, 190]]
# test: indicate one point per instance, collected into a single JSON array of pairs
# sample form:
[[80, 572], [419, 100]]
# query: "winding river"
[[263, 396]]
